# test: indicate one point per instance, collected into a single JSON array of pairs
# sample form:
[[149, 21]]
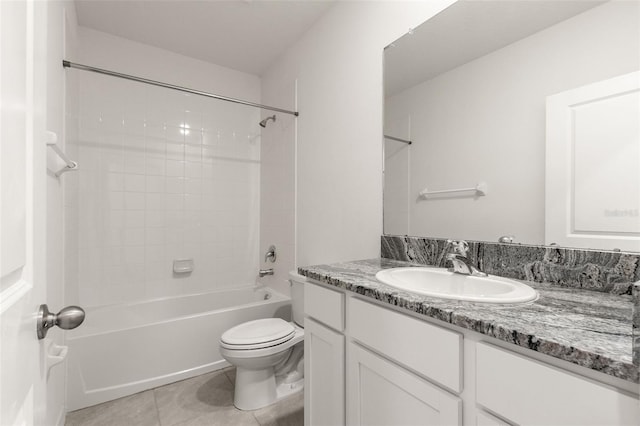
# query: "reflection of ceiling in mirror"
[[468, 30]]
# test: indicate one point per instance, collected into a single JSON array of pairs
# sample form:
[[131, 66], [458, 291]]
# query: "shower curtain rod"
[[393, 138], [68, 64]]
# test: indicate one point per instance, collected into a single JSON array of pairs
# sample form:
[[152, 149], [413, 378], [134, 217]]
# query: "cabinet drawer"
[[324, 305], [529, 392], [429, 350]]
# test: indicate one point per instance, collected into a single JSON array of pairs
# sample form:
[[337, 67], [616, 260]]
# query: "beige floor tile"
[[193, 398], [229, 416], [135, 410], [201, 401], [231, 374], [286, 412]]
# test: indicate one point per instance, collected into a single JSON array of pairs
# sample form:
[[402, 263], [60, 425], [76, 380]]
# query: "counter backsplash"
[[605, 271]]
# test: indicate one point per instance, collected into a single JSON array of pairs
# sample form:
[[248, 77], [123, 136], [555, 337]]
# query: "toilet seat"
[[242, 353], [258, 334]]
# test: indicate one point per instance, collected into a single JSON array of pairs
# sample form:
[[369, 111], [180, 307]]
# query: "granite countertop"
[[587, 328]]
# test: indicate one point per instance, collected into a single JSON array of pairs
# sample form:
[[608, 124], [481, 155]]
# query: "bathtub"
[[128, 348]]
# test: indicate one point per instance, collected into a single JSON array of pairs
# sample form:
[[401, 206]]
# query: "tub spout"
[[263, 272]]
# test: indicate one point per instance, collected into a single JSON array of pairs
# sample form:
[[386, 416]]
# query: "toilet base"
[[256, 389]]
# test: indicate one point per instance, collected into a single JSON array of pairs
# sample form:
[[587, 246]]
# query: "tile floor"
[[201, 401]]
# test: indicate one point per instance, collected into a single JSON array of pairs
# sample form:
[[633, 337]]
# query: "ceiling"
[[245, 35]]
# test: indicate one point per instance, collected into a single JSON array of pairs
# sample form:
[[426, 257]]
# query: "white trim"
[[13, 294]]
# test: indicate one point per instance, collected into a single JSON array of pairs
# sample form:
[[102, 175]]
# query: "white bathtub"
[[124, 349]]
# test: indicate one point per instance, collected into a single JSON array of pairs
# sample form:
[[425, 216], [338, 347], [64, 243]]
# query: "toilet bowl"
[[267, 354]]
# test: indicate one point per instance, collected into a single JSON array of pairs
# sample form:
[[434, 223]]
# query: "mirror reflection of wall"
[[483, 118]]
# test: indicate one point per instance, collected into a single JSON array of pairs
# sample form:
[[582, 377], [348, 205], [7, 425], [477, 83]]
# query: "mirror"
[[470, 89]]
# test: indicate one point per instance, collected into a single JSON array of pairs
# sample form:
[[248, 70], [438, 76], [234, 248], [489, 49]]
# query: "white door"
[[22, 210], [593, 165]]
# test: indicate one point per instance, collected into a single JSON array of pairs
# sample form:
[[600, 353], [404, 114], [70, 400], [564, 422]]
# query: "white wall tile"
[[155, 236], [134, 237], [134, 183], [154, 201], [155, 184], [133, 254], [156, 147], [193, 169], [174, 168], [174, 185], [154, 187], [113, 181], [134, 162], [134, 200], [134, 219], [154, 166], [174, 201], [193, 202], [192, 186], [154, 219]]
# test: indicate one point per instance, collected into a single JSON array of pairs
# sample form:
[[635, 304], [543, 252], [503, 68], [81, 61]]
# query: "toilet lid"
[[258, 334]]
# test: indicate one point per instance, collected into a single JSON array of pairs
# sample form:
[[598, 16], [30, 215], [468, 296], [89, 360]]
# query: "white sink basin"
[[439, 282]]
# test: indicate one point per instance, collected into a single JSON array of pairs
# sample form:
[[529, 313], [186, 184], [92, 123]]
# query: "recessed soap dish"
[[183, 266]]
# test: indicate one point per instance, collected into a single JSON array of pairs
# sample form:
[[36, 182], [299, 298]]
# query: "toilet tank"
[[297, 297]]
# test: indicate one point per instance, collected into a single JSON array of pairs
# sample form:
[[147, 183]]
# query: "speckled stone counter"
[[587, 328]]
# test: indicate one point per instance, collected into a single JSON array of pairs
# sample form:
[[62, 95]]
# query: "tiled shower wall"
[[163, 176]]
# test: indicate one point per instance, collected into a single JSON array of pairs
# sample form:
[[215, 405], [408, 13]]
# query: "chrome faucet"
[[263, 272], [460, 261]]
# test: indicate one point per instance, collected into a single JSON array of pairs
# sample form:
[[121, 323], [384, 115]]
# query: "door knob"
[[67, 319]]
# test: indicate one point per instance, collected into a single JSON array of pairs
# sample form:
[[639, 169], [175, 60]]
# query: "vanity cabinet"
[[402, 369]]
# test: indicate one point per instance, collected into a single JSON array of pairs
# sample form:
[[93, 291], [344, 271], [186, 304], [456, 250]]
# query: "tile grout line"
[[155, 403]]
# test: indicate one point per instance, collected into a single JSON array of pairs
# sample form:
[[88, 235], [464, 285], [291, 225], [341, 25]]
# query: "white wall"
[[338, 67], [277, 185], [148, 192], [485, 121]]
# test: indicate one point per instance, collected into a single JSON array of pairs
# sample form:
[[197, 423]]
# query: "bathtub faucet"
[[263, 272]]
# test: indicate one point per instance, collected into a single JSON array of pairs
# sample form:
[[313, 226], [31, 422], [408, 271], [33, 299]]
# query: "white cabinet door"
[[323, 375], [382, 393]]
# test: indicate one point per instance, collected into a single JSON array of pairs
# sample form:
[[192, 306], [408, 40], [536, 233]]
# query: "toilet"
[[268, 354]]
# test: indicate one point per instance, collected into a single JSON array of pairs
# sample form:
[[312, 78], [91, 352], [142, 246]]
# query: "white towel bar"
[[480, 189]]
